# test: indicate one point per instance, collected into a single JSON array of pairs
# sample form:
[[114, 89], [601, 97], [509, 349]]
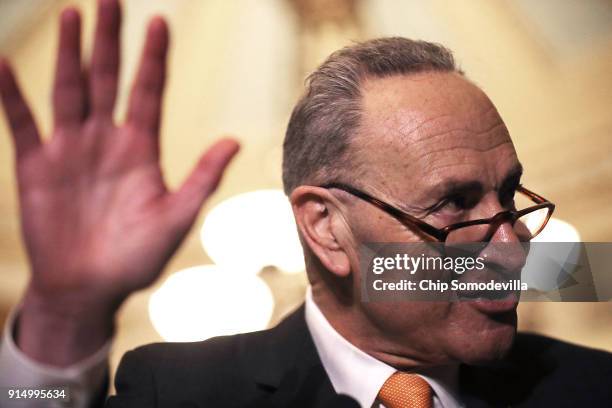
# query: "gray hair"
[[318, 134]]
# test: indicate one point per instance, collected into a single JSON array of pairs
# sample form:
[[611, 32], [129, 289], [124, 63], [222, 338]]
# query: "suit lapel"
[[289, 367], [504, 383]]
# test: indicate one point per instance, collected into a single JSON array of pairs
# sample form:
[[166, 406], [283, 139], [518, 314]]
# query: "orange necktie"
[[403, 390]]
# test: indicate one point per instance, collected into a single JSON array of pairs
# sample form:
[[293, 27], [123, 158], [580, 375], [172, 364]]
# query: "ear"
[[322, 227]]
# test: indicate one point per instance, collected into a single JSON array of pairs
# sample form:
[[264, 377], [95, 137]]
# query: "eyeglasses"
[[530, 216]]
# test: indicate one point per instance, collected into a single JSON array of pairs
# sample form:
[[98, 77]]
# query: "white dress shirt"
[[83, 379], [361, 376]]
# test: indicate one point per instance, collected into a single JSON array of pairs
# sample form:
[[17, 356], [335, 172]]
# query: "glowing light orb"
[[206, 301], [253, 230]]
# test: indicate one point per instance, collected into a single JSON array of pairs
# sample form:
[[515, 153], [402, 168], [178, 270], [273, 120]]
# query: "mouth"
[[491, 302], [501, 294]]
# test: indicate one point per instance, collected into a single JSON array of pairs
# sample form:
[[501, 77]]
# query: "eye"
[[454, 204], [506, 198]]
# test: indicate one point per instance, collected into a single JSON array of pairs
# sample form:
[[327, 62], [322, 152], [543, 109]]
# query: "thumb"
[[205, 177]]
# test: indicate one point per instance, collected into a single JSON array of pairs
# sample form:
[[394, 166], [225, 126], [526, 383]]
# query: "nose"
[[505, 249], [504, 230], [506, 233]]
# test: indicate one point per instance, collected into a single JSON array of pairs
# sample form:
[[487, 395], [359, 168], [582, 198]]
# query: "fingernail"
[[70, 13], [157, 22]]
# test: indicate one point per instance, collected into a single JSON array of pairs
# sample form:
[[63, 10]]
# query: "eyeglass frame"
[[441, 234]]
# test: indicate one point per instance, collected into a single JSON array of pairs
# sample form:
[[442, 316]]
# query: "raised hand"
[[97, 219]]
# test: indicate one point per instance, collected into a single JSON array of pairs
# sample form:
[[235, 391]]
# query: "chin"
[[484, 340]]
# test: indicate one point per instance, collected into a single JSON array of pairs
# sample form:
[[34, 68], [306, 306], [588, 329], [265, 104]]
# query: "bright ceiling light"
[[253, 230], [206, 301]]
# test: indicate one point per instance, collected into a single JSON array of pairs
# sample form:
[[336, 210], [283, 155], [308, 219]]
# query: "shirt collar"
[[361, 376]]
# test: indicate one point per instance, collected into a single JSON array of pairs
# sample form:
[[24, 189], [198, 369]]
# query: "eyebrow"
[[513, 178], [455, 187]]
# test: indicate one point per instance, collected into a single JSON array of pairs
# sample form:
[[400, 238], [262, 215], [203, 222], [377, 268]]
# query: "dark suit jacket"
[[280, 367]]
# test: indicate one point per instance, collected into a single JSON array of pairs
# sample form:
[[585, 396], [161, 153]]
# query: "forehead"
[[428, 127]]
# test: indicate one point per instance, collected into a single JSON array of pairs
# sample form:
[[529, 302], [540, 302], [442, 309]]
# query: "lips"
[[491, 301], [506, 303], [489, 294]]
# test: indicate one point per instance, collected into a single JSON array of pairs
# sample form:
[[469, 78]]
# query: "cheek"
[[369, 225], [442, 332], [374, 228], [408, 320], [466, 319], [474, 338], [377, 226]]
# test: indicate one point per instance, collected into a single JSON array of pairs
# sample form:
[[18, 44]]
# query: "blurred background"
[[237, 67]]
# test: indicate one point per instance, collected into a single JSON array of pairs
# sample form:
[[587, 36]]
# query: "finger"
[[23, 128], [205, 178], [104, 70], [68, 88], [144, 108]]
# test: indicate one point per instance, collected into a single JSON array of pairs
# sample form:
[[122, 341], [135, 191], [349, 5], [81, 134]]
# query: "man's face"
[[434, 145]]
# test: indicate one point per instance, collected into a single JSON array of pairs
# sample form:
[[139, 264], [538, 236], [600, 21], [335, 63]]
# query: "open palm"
[[97, 218]]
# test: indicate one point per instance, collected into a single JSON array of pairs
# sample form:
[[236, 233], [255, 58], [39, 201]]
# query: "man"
[[392, 117]]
